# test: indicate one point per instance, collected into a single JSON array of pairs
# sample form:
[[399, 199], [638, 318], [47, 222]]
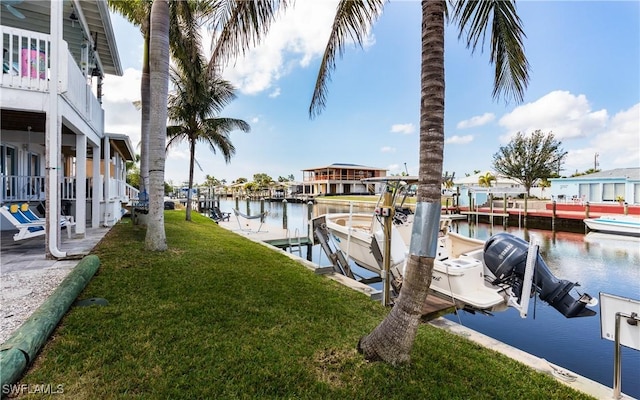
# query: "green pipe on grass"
[[23, 346]]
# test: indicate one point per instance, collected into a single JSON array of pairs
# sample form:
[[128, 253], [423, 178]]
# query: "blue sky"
[[585, 88]]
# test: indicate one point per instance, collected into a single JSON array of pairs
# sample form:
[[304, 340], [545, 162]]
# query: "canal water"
[[600, 263]]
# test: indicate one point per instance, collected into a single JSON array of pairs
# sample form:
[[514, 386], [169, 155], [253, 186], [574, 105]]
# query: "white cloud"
[[583, 132], [275, 93], [255, 120], [118, 97], [566, 115], [179, 153], [478, 120], [403, 128], [393, 169], [301, 34], [618, 145], [388, 149], [459, 139]]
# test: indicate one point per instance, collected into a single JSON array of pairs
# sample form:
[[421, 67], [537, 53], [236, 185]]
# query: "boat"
[[616, 224], [477, 276]]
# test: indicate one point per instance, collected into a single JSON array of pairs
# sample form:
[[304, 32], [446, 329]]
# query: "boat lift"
[[321, 236]]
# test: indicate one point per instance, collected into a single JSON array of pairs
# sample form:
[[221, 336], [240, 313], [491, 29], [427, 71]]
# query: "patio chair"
[[245, 216], [26, 227], [66, 222], [218, 215]]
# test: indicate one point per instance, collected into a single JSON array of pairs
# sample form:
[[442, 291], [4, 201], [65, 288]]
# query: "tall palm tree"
[[392, 340], [156, 239], [198, 97], [138, 13]]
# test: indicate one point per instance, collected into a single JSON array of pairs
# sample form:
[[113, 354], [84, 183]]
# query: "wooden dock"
[[436, 307]]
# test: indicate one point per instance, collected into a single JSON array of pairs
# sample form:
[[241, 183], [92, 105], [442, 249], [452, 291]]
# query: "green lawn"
[[218, 316]]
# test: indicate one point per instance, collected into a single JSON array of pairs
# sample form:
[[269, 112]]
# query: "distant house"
[[599, 187], [341, 179], [469, 188], [54, 151]]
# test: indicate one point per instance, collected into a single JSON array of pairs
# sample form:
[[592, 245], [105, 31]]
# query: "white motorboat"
[[476, 275], [617, 224]]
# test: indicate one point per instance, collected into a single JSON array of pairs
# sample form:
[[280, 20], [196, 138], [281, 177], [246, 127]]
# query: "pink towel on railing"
[[30, 61]]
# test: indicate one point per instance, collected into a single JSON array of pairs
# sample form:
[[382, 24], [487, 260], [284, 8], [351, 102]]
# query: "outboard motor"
[[506, 256]]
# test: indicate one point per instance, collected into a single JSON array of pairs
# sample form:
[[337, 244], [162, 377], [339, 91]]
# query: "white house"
[[469, 187], [600, 187], [54, 150]]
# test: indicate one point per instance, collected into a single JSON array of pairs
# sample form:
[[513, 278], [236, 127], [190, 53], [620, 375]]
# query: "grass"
[[218, 316]]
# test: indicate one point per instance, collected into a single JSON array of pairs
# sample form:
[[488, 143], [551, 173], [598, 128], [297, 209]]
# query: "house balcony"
[[26, 62]]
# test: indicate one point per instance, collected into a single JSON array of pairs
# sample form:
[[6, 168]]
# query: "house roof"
[[122, 143], [346, 166], [472, 180], [628, 173], [90, 16]]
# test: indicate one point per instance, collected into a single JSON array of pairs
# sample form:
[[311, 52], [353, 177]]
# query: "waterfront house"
[[54, 151], [340, 178], [470, 191], [612, 186]]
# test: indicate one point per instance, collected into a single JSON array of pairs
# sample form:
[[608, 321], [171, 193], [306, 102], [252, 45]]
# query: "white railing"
[[131, 192], [78, 93], [21, 188], [25, 63], [32, 188], [118, 190], [26, 66]]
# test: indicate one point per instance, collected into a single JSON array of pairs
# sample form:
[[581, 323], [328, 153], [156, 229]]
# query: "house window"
[[612, 190]]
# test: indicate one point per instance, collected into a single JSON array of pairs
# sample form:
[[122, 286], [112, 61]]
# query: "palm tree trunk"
[[145, 114], [192, 159], [156, 239], [393, 339]]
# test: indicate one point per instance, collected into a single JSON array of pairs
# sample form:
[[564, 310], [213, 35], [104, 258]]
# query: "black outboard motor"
[[506, 256]]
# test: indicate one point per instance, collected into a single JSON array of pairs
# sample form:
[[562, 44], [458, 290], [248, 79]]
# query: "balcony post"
[[81, 184], [96, 193]]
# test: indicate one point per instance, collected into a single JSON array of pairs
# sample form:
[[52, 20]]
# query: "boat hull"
[[619, 225], [458, 272]]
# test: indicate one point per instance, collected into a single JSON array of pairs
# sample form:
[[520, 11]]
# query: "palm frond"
[[353, 19], [241, 25], [507, 48], [135, 11]]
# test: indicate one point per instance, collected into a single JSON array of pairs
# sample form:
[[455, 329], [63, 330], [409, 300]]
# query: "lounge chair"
[[218, 215], [28, 223], [239, 214], [26, 227], [66, 222]]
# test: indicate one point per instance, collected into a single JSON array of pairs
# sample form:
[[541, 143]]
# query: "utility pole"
[[595, 162]]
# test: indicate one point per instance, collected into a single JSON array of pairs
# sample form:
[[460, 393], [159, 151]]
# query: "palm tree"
[[156, 239], [178, 38], [486, 179], [197, 98], [138, 13], [244, 24], [392, 340]]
